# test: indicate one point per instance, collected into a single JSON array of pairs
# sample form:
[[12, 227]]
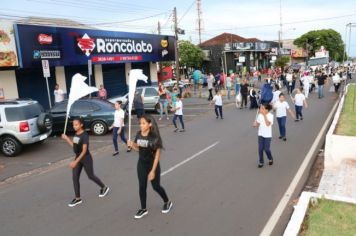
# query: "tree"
[[329, 38], [190, 55], [282, 62]]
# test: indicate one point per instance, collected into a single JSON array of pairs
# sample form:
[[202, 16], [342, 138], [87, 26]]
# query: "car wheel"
[[99, 128], [10, 146]]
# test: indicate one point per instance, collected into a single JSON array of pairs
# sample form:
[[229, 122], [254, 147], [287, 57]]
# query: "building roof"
[[227, 38]]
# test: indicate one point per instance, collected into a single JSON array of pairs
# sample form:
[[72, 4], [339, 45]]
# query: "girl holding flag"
[[83, 159]]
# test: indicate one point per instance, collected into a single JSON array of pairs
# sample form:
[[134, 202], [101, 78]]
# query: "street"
[[209, 172]]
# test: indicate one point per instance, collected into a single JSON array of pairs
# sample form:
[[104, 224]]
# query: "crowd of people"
[[268, 95]]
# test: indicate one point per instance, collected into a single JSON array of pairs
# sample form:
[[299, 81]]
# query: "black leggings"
[[87, 163], [143, 169]]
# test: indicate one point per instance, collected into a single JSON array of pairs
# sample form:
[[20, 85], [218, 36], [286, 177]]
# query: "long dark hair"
[[154, 131]]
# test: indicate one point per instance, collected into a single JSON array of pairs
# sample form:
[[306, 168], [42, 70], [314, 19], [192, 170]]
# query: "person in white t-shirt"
[[306, 83], [218, 105], [58, 94], [118, 127], [299, 101], [276, 94], [281, 107], [178, 109], [264, 122]]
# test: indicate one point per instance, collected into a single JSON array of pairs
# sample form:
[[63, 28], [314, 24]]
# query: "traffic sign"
[[45, 68]]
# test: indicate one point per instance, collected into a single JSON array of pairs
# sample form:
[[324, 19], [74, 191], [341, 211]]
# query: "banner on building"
[[297, 53], [8, 54], [72, 46], [249, 46]]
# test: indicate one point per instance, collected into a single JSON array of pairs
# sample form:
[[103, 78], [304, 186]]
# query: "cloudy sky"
[[247, 18]]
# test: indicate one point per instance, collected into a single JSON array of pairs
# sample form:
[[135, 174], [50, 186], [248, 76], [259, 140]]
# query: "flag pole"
[[65, 124], [130, 124]]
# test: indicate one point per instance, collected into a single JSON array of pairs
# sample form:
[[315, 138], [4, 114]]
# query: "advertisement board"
[[297, 53], [249, 46], [72, 46], [8, 54]]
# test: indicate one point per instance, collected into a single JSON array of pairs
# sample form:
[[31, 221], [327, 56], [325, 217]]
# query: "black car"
[[97, 114]]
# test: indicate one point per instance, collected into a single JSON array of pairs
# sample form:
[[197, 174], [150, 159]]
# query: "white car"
[[150, 98]]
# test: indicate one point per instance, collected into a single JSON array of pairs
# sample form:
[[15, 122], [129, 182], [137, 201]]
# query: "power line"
[[286, 23], [186, 12]]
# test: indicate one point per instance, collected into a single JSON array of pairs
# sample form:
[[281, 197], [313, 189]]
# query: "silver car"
[[22, 122], [150, 98]]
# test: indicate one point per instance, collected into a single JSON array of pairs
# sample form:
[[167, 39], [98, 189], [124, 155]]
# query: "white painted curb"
[[295, 224]]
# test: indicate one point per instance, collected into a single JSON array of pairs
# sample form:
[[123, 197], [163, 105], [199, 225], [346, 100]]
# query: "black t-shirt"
[[321, 79], [78, 141], [147, 146], [244, 89]]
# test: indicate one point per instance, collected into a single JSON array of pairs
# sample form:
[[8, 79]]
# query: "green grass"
[[330, 218], [347, 121]]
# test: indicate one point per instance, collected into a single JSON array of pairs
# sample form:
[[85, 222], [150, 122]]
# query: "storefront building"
[[69, 51], [228, 52]]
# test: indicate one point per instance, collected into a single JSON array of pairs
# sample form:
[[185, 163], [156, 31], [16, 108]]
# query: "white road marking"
[[273, 220], [189, 159]]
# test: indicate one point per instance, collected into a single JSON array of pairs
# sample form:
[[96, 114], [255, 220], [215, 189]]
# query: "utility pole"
[[280, 26], [159, 63], [175, 19], [200, 20]]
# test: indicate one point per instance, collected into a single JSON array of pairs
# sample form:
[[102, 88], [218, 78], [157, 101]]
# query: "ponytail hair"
[[154, 131]]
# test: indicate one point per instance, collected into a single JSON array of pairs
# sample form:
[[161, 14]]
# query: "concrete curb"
[[300, 210], [300, 178]]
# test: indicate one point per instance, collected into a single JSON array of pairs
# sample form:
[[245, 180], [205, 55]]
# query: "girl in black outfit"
[[148, 143], [83, 158]]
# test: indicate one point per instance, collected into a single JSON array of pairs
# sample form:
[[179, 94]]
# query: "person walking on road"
[[218, 105], [336, 81], [228, 86], [253, 99], [264, 122], [237, 84], [210, 86], [83, 158], [178, 109], [299, 101], [322, 80], [163, 101], [306, 79], [118, 128], [148, 143], [244, 93], [281, 107], [138, 103]]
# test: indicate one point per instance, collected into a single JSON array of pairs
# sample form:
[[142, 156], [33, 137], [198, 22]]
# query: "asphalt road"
[[54, 149], [219, 191]]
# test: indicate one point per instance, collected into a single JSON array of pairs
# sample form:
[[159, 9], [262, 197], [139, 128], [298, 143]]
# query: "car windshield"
[[23, 113]]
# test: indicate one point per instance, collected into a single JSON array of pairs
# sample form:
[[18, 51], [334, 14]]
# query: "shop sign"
[[66, 46]]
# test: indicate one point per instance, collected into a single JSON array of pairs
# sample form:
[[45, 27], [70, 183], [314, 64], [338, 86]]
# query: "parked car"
[[22, 122], [150, 98], [98, 115]]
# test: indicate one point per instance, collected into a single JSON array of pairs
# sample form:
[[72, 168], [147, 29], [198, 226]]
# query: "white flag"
[[135, 75], [78, 89]]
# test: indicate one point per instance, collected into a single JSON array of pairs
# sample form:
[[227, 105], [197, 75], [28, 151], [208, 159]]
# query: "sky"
[[247, 18]]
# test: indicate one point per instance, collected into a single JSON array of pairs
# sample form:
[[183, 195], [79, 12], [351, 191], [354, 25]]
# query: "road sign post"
[[47, 74], [90, 71]]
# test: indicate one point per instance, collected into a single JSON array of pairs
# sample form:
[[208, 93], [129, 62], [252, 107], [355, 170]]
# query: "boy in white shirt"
[[281, 107], [118, 127], [178, 109], [58, 94], [264, 123], [299, 101], [218, 105]]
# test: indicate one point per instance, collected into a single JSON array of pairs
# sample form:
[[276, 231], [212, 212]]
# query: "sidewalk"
[[340, 181]]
